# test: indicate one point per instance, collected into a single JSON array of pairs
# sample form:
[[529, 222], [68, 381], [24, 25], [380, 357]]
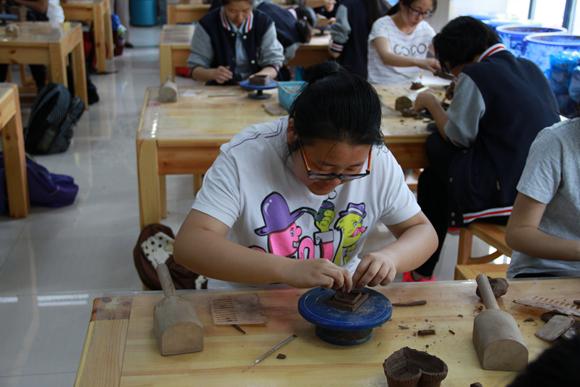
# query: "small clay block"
[[555, 327], [499, 287], [281, 356], [425, 332], [417, 86], [259, 80], [347, 301], [412, 303], [409, 367], [477, 384]]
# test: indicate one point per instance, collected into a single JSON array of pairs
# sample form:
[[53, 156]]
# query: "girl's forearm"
[[413, 247], [531, 241]]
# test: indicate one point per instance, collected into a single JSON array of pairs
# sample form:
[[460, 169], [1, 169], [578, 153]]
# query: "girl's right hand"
[[223, 74], [309, 273], [430, 64]]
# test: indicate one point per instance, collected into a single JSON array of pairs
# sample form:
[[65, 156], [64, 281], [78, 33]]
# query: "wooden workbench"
[[184, 137], [185, 11], [175, 43], [49, 44], [95, 13], [121, 349], [13, 149]]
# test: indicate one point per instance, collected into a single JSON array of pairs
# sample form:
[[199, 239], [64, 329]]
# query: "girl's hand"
[[223, 74], [374, 269], [309, 273], [430, 64]]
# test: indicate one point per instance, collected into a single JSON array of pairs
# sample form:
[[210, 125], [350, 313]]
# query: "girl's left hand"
[[374, 269], [430, 64]]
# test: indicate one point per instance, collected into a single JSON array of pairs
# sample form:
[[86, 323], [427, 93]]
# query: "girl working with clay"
[[233, 42], [398, 43], [290, 201]]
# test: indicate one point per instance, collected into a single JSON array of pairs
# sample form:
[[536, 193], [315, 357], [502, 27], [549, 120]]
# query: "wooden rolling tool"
[[177, 326], [168, 91], [496, 336], [408, 100]]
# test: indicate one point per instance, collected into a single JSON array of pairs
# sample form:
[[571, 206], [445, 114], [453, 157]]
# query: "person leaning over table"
[[350, 32], [290, 201], [399, 42], [544, 227], [233, 42], [500, 104]]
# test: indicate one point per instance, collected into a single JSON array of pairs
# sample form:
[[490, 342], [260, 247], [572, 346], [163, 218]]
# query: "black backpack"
[[52, 121]]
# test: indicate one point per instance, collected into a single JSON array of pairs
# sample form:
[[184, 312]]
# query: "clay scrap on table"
[[425, 332], [416, 86], [409, 367], [499, 287], [259, 80], [347, 301], [412, 303]]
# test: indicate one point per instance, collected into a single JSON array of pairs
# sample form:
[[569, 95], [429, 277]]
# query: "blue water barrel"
[[143, 12], [513, 35], [539, 47]]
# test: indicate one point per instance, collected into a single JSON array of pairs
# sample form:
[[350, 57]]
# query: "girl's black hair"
[[226, 2], [374, 10], [461, 40], [407, 3], [305, 22], [336, 106]]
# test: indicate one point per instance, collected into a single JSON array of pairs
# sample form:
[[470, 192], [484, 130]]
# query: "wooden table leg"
[[79, 72], [57, 66], [15, 160], [100, 47], [109, 29], [148, 175]]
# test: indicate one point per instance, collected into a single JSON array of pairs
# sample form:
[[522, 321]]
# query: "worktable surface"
[[121, 349]]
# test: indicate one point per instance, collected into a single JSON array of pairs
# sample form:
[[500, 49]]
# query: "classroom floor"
[[56, 261]]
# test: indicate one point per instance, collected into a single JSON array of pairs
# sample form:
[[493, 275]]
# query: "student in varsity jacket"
[[350, 32], [500, 104], [233, 42]]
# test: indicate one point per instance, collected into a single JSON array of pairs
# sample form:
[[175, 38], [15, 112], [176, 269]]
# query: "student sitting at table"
[[232, 43], [350, 32], [477, 156], [399, 42], [290, 201], [543, 229]]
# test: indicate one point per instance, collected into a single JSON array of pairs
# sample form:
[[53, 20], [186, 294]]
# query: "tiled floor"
[[56, 261]]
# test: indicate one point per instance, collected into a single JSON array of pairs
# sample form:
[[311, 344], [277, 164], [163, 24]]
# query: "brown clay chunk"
[[259, 80], [425, 332], [475, 385], [403, 327], [281, 356], [410, 367], [347, 301], [408, 112], [499, 286], [412, 303], [577, 302], [450, 331], [416, 86], [529, 320], [548, 315]]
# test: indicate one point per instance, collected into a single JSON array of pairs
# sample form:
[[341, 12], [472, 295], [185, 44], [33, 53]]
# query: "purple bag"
[[45, 188]]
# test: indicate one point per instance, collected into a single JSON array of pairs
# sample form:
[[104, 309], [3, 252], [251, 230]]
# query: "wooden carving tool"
[[177, 326], [551, 304], [271, 351], [496, 335]]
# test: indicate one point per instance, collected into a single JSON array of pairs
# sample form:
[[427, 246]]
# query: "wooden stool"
[[490, 233]]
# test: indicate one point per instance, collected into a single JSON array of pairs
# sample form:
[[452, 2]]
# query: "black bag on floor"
[[52, 120]]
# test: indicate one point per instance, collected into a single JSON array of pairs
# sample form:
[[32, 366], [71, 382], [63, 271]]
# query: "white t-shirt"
[[552, 176], [252, 188], [55, 12], [415, 45]]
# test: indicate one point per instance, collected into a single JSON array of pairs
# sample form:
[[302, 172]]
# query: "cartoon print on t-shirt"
[[285, 235], [281, 229], [350, 225]]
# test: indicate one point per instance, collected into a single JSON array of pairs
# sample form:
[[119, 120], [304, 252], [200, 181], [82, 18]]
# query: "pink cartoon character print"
[[281, 228], [350, 224]]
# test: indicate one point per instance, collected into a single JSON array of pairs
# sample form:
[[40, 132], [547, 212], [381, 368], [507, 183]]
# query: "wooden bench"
[[467, 266]]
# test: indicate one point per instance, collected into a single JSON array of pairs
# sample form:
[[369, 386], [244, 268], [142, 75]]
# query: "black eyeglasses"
[[330, 176], [416, 12]]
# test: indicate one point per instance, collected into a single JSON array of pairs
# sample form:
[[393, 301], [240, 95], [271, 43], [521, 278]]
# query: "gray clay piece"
[[347, 301]]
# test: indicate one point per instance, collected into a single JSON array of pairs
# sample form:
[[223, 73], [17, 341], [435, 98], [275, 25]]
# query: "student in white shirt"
[[282, 195]]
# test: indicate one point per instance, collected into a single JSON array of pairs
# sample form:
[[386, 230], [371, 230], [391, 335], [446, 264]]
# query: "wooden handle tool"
[[496, 335], [176, 323]]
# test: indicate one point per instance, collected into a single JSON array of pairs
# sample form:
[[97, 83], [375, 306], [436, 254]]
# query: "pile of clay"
[[259, 80], [499, 287], [409, 367]]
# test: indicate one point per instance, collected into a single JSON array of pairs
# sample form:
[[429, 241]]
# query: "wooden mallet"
[[177, 326], [496, 336]]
